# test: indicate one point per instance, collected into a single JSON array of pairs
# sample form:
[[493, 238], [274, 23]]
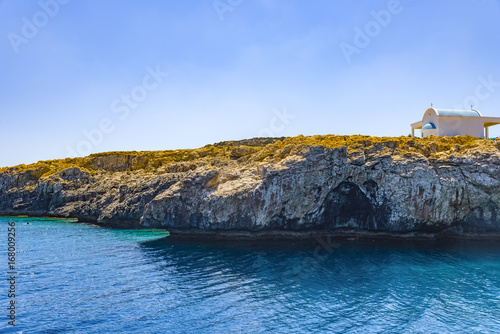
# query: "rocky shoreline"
[[277, 188], [311, 235]]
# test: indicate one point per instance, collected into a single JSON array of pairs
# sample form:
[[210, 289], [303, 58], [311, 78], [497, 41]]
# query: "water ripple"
[[80, 278]]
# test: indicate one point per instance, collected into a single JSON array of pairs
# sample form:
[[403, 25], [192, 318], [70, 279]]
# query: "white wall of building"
[[461, 127], [433, 132], [452, 126], [431, 117]]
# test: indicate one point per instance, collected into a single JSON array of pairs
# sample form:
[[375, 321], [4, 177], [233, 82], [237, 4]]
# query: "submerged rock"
[[445, 186]]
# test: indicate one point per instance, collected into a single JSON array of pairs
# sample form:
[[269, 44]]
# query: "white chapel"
[[450, 122]]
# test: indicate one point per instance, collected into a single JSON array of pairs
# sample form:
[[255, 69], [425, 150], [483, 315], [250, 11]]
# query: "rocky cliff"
[[408, 186]]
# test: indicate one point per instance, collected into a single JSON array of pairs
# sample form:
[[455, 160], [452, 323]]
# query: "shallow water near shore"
[[82, 278]]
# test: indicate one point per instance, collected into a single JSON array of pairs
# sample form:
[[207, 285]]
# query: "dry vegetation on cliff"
[[259, 149], [397, 184]]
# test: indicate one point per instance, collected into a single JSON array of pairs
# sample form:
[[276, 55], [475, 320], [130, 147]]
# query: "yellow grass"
[[257, 149]]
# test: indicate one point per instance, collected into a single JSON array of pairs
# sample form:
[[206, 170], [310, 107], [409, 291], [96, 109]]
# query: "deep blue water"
[[80, 278]]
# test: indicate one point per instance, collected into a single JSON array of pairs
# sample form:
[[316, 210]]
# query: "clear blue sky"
[[233, 66]]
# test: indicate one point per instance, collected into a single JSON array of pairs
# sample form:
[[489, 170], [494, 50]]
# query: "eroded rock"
[[290, 188]]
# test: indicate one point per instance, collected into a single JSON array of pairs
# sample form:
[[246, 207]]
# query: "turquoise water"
[[80, 278]]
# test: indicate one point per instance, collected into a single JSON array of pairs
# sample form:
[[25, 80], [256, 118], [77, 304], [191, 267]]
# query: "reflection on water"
[[380, 288], [82, 278]]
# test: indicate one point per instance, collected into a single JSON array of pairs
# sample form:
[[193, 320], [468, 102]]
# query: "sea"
[[70, 277]]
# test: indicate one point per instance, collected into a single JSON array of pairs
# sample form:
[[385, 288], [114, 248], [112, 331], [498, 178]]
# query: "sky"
[[81, 77]]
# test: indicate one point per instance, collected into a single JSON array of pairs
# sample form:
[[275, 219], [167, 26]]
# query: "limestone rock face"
[[373, 187]]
